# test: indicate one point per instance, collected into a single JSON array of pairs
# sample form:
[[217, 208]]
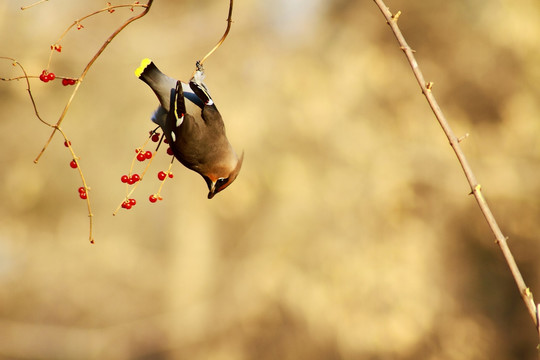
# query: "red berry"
[[82, 189], [155, 137], [165, 141], [131, 181], [169, 151], [171, 175], [43, 77], [127, 204], [83, 195], [73, 164], [67, 82], [161, 175], [124, 179], [132, 202], [67, 143], [141, 157], [135, 178], [152, 198], [148, 155], [51, 76]]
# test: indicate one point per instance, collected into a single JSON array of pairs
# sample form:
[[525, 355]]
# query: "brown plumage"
[[193, 127]]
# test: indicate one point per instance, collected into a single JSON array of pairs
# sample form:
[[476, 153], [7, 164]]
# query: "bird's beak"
[[212, 188]]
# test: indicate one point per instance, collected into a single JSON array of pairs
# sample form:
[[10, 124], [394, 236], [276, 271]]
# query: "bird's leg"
[[199, 66], [198, 76], [199, 88]]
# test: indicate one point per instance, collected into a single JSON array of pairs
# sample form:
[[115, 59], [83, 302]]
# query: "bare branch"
[[94, 58], [229, 23], [476, 188]]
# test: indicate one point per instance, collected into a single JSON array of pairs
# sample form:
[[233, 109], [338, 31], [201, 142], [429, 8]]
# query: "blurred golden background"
[[348, 234]]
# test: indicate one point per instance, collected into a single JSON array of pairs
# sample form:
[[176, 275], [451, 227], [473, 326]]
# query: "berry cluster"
[[56, 47], [109, 5], [155, 136], [50, 76], [130, 180], [82, 193], [162, 175], [129, 203], [67, 82], [141, 156], [47, 76]]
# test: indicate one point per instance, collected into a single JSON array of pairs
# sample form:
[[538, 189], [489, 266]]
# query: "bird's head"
[[222, 176]]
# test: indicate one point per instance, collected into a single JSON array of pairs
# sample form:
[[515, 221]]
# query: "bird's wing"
[[175, 117]]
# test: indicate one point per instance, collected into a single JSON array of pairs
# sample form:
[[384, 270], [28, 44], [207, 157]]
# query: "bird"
[[193, 126]]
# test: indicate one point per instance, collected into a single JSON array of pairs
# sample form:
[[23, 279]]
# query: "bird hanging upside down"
[[193, 126]]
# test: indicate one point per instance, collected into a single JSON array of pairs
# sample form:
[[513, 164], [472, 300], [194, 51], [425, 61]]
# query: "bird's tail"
[[161, 84]]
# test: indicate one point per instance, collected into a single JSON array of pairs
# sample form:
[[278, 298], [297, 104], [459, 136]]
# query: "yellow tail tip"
[[144, 64]]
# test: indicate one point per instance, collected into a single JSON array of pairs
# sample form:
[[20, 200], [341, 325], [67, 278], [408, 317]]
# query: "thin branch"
[[130, 191], [476, 188], [85, 185], [229, 23], [78, 22], [57, 47], [34, 4], [26, 78], [89, 65], [67, 142]]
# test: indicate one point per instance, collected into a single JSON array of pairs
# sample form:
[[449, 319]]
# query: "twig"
[[85, 185], [229, 23], [34, 4], [26, 78], [89, 65], [56, 46], [67, 142], [135, 185], [476, 188]]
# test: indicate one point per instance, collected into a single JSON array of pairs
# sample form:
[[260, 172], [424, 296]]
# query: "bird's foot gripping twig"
[[198, 76]]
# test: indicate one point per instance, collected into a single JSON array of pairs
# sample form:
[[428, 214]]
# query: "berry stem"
[[158, 194], [146, 7], [131, 188], [67, 143]]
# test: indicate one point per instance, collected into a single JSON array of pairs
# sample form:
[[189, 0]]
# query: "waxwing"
[[193, 126]]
